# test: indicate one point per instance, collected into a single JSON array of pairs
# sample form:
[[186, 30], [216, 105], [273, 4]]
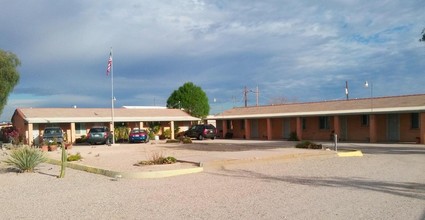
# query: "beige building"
[[382, 119], [76, 122]]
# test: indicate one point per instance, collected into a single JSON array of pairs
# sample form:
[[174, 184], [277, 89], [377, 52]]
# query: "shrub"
[[74, 157], [25, 158], [11, 135], [82, 139], [167, 134], [172, 141], [157, 158], [308, 145], [169, 160], [186, 140]]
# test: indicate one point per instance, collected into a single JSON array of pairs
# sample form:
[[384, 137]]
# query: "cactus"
[[63, 162]]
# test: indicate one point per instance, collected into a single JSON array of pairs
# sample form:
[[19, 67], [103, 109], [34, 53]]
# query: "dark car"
[[138, 135], [53, 135], [99, 135], [201, 131]]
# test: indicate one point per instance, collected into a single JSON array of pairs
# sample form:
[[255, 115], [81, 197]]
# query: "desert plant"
[[157, 158], [308, 145], [81, 139], [172, 141], [167, 134], [121, 133], [25, 158], [74, 157], [63, 162], [169, 160], [186, 140]]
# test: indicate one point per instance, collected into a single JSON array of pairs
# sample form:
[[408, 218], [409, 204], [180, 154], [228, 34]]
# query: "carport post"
[[172, 130], [336, 142]]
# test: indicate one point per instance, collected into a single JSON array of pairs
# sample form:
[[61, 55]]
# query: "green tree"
[[9, 75], [191, 98]]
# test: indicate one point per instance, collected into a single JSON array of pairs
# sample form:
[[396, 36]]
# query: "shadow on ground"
[[405, 189]]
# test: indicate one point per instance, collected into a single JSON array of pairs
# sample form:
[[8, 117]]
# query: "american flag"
[[108, 69]]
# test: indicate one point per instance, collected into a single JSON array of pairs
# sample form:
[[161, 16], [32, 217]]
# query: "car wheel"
[[200, 137], [213, 138]]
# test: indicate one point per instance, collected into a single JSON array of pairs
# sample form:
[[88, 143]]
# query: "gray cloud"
[[303, 51]]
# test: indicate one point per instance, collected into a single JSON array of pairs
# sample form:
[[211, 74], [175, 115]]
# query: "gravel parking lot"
[[383, 184]]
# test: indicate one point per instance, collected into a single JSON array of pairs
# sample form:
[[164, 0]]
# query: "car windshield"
[[52, 131], [97, 130], [138, 130]]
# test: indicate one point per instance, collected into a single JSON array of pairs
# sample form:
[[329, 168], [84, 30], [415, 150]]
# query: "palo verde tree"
[[190, 98], [9, 75]]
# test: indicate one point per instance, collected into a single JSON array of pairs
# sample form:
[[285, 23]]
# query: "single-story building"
[[76, 122], [379, 119]]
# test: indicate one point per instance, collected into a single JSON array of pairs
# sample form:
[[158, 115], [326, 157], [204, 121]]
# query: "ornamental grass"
[[25, 159]]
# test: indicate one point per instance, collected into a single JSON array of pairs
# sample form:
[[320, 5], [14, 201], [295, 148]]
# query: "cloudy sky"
[[292, 50]]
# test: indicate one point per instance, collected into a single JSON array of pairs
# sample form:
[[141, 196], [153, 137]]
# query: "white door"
[[35, 134]]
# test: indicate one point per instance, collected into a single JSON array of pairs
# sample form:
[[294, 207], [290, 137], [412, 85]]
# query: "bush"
[[81, 140], [11, 135], [167, 134], [169, 160], [74, 157], [172, 141], [186, 140], [25, 158], [308, 145], [157, 158]]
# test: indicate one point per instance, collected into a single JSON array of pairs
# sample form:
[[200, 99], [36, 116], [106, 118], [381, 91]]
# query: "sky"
[[295, 51]]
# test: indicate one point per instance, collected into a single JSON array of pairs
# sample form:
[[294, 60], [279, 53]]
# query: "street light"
[[366, 85]]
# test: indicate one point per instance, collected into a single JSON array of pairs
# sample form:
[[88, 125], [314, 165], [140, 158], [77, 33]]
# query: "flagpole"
[[112, 100]]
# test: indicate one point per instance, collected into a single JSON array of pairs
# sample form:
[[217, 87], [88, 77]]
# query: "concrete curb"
[[350, 153], [130, 175], [201, 165]]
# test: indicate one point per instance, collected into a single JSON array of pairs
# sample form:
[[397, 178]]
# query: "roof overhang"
[[323, 113], [106, 119]]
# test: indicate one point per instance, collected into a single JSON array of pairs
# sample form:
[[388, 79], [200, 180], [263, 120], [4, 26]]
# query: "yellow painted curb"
[[217, 163], [132, 175], [350, 153]]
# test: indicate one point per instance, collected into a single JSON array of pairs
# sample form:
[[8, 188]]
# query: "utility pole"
[[257, 92], [245, 96]]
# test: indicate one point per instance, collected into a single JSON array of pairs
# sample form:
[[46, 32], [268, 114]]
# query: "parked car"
[[99, 135], [202, 131], [53, 134], [138, 135]]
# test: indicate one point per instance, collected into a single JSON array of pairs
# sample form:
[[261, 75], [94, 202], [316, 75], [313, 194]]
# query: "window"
[[365, 120], [304, 123], [80, 128], [324, 122], [414, 118]]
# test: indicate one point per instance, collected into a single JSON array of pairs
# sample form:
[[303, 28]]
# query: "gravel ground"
[[376, 186]]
